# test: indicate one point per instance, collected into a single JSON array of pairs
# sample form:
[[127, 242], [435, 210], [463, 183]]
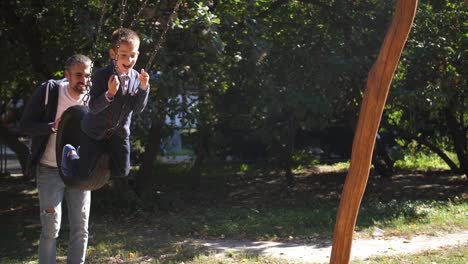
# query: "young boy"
[[117, 91]]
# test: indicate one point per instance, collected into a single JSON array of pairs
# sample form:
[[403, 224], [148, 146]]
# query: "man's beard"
[[79, 88]]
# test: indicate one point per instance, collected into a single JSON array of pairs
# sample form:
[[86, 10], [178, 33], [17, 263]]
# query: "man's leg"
[[51, 190], [78, 204]]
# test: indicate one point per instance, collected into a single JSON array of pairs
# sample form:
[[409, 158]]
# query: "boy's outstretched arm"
[[144, 79], [142, 95], [102, 91]]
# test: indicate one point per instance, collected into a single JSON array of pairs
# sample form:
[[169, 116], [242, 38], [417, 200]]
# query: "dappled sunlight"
[[439, 185], [255, 208]]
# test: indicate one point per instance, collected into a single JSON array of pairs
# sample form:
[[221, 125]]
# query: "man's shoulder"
[[51, 85]]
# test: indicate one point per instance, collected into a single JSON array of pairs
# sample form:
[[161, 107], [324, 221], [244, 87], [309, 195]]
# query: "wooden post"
[[375, 96]]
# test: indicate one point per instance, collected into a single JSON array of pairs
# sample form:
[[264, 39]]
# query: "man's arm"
[[32, 122]]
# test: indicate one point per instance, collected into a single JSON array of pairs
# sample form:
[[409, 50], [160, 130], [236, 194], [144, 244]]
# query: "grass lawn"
[[456, 255], [242, 204]]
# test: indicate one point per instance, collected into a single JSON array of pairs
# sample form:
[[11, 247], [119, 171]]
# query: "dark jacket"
[[38, 119], [104, 115]]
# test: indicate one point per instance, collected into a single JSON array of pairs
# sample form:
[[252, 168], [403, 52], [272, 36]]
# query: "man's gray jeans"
[[51, 193]]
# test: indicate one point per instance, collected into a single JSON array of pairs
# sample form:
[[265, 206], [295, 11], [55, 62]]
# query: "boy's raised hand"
[[113, 84], [144, 79]]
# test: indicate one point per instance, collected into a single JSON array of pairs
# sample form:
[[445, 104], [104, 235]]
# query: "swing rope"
[[138, 14], [161, 39], [162, 36], [94, 49], [69, 129], [99, 29], [123, 12], [158, 45], [122, 18]]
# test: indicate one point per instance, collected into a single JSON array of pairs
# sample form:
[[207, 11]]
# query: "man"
[[40, 120]]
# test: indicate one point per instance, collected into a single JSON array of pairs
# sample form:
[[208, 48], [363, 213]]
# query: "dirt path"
[[320, 252]]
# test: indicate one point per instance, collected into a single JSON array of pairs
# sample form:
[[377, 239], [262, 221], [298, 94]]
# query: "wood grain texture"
[[375, 96]]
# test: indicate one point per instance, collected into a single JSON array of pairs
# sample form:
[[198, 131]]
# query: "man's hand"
[[144, 79], [113, 85], [55, 126]]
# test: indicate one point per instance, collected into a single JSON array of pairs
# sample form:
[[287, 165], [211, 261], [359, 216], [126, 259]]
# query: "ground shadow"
[[259, 188]]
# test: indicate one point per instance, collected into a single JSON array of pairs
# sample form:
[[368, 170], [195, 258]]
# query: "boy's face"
[[126, 56], [78, 77]]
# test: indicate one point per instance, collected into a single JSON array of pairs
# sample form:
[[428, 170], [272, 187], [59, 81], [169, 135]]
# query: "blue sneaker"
[[64, 165]]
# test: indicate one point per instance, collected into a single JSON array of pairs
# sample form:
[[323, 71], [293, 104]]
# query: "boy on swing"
[[117, 91]]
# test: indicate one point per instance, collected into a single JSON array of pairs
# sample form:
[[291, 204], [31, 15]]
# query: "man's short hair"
[[123, 35], [77, 59]]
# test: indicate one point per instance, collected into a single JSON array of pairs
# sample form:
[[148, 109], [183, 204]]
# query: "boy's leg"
[[51, 189], [120, 156], [89, 152], [78, 204]]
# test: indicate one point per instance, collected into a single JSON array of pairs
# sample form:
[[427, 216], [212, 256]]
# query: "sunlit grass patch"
[[234, 257], [454, 255], [414, 217], [259, 224], [305, 223], [424, 161]]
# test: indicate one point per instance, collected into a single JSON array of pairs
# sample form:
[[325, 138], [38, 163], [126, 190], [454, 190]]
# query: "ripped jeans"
[[51, 193]]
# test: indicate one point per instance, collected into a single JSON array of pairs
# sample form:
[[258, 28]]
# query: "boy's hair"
[[77, 59], [123, 35]]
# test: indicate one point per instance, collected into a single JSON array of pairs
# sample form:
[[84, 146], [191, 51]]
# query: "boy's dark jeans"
[[91, 150]]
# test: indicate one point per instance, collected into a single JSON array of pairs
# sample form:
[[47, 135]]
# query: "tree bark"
[[383, 164], [424, 142], [13, 143], [459, 137], [375, 96], [201, 151], [202, 148], [289, 151], [145, 177]]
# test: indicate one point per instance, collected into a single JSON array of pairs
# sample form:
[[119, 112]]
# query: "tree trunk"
[[460, 140], [381, 159], [424, 142], [288, 152], [437, 151], [375, 96], [13, 143], [145, 177], [201, 149], [200, 156]]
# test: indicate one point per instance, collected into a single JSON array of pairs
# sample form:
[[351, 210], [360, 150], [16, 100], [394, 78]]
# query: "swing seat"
[[69, 132]]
